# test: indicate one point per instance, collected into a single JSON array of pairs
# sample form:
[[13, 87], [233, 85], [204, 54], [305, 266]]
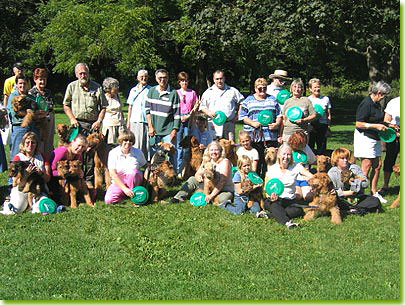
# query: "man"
[[279, 78], [85, 105], [221, 97], [9, 84], [162, 113], [136, 112]]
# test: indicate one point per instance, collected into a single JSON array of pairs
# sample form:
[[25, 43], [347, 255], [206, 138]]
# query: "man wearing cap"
[[9, 84], [221, 97], [279, 78], [85, 105]]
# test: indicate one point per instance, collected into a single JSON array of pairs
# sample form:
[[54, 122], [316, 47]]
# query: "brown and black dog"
[[254, 193], [322, 164], [196, 157], [211, 179], [63, 132], [229, 148], [397, 171]]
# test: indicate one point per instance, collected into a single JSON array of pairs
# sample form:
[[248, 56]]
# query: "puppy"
[[3, 118], [323, 198], [161, 176], [397, 171], [196, 158], [63, 131], [211, 179], [16, 171], [270, 156], [23, 106], [229, 148], [322, 164], [254, 193]]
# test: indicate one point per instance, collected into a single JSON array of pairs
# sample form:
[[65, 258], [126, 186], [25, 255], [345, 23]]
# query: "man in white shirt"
[[221, 97], [279, 79]]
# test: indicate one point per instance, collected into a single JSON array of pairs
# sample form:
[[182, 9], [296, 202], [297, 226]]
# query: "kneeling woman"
[[124, 163], [283, 208], [342, 159], [224, 187]]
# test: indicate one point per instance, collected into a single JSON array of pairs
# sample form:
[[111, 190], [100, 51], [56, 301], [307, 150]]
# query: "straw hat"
[[280, 74]]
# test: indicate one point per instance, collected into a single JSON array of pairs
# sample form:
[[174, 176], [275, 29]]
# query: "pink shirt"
[[187, 100], [60, 154]]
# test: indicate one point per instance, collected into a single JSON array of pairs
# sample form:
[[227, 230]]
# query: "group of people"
[[163, 114]]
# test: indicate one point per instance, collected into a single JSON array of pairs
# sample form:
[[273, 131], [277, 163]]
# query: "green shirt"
[[85, 105]]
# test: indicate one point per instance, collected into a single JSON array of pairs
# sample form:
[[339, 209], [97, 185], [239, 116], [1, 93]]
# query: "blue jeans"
[[182, 152], [154, 147], [239, 205]]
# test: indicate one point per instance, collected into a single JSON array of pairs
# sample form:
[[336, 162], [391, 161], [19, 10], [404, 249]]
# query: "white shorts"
[[365, 147]]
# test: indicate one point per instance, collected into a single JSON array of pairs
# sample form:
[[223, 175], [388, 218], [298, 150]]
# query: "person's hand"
[[74, 122], [151, 131], [299, 121], [280, 140], [333, 192], [202, 146], [96, 125], [273, 197], [128, 192], [173, 135], [31, 168], [81, 174], [184, 118], [211, 114], [208, 198], [380, 127], [273, 126], [128, 125], [255, 124]]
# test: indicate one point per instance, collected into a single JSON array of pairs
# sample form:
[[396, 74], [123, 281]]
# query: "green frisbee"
[[388, 135], [265, 117], [300, 157], [198, 200], [220, 118], [47, 205], [282, 96], [255, 178], [41, 103], [141, 195], [73, 133], [274, 186], [234, 170], [294, 113], [320, 112]]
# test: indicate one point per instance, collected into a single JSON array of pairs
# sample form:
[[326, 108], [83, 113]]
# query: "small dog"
[[63, 131], [3, 118], [161, 176], [322, 164], [196, 157], [211, 179], [72, 183], [270, 156], [23, 104], [397, 171], [229, 148], [323, 198], [254, 193]]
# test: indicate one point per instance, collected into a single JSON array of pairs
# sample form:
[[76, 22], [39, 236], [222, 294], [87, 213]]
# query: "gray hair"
[[81, 64], [110, 83], [142, 72], [280, 150], [380, 87], [313, 81], [161, 71], [297, 81]]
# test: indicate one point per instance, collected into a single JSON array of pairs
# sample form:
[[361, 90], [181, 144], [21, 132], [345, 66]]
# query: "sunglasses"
[[261, 88]]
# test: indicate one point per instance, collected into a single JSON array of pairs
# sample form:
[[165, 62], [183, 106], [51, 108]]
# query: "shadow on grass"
[[343, 136]]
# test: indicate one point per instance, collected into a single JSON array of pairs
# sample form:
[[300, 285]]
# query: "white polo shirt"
[[125, 163]]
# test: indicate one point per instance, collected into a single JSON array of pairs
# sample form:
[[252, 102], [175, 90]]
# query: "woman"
[[367, 144], [297, 100], [113, 121], [321, 125], [28, 152], [40, 92], [188, 104], [341, 160], [262, 136], [224, 188], [282, 207], [124, 163]]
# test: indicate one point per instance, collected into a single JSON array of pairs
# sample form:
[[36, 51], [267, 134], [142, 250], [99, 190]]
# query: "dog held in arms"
[[254, 193], [325, 198], [211, 179], [160, 173], [196, 157], [229, 148]]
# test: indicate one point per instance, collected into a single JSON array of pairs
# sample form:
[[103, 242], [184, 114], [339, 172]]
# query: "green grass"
[[180, 252]]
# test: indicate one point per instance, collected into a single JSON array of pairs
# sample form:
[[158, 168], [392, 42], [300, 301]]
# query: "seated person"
[[124, 164], [343, 159], [282, 208], [246, 149], [224, 187], [200, 131], [241, 200]]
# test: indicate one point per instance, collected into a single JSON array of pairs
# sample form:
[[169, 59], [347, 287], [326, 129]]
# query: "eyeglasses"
[[261, 88]]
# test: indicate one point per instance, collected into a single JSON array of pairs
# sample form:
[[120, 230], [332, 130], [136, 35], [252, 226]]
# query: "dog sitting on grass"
[[211, 179], [254, 193], [196, 157]]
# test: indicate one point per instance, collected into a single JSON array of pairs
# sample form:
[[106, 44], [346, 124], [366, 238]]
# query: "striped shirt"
[[251, 108], [164, 109]]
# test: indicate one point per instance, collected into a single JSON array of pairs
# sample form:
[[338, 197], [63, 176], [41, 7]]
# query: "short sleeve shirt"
[[124, 164], [252, 154], [394, 109], [324, 102], [137, 99], [85, 105], [306, 106], [369, 112]]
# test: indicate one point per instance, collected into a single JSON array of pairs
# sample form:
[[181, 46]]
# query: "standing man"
[[9, 84], [279, 79], [136, 121], [221, 97], [85, 105], [162, 113]]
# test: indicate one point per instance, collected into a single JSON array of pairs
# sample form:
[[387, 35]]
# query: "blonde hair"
[[126, 135], [242, 160], [313, 81], [207, 154], [260, 81], [244, 134], [297, 81], [341, 153], [29, 136], [281, 149]]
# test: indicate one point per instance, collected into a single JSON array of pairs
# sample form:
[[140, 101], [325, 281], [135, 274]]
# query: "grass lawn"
[[180, 252]]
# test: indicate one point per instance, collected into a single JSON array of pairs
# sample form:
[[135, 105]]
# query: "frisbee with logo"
[[220, 118], [282, 96], [47, 205], [73, 134], [294, 113], [274, 186], [300, 157], [141, 195], [320, 112], [198, 200], [265, 117], [388, 135], [255, 178]]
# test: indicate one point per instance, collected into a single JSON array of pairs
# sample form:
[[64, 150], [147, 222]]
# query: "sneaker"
[[224, 204], [175, 200], [262, 214], [360, 212], [291, 225], [60, 209], [382, 200]]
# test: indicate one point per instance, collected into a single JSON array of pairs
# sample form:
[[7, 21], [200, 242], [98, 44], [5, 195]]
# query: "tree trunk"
[[372, 64]]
